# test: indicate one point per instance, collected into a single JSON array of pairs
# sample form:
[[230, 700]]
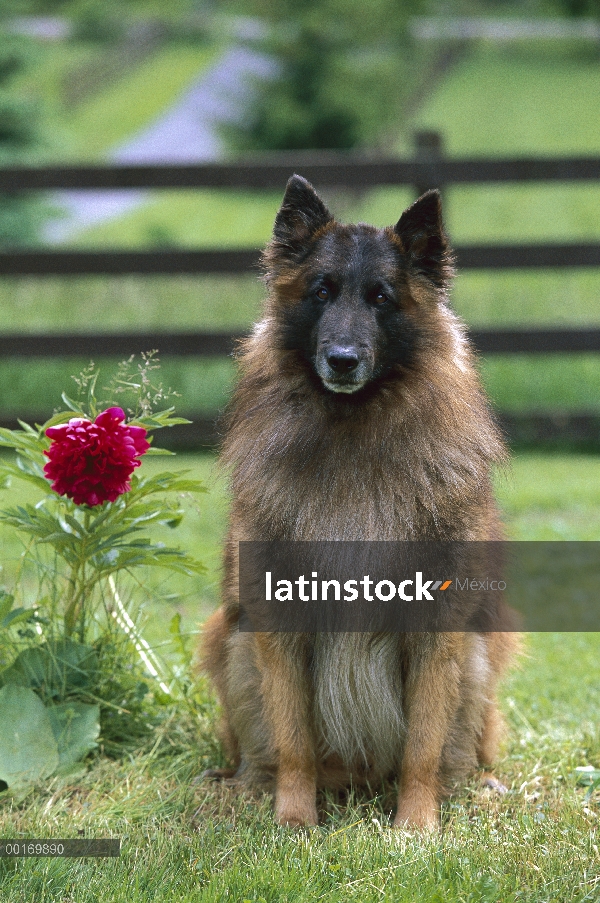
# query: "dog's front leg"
[[286, 696], [432, 696]]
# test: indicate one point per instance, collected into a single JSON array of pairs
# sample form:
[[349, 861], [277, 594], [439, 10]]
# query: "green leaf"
[[22, 472], [28, 748], [6, 603], [587, 775], [179, 640], [22, 440], [56, 420], [16, 616], [76, 727], [592, 789], [75, 525], [27, 428], [73, 405], [159, 419], [157, 451], [55, 667]]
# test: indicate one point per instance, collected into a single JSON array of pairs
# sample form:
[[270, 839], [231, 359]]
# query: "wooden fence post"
[[429, 148]]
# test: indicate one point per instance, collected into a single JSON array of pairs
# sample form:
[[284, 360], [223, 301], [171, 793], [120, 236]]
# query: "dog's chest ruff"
[[358, 700]]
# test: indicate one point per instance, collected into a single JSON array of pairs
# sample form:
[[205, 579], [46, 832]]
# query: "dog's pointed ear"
[[421, 231], [302, 213]]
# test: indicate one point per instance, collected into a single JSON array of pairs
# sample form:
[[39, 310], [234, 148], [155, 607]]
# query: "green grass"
[[196, 841], [517, 100], [191, 219]]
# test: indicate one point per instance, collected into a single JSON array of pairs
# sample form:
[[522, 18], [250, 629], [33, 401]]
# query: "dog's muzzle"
[[343, 368]]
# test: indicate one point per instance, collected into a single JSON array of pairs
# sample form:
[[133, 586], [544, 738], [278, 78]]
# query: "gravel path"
[[186, 133]]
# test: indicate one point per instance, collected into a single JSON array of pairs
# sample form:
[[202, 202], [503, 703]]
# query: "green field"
[[197, 841]]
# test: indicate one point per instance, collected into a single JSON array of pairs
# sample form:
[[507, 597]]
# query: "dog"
[[358, 416]]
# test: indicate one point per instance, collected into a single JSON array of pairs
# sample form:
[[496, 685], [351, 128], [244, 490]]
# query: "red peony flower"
[[91, 462]]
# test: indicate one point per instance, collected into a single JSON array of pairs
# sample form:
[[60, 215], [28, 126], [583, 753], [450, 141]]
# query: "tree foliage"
[[344, 72], [20, 141]]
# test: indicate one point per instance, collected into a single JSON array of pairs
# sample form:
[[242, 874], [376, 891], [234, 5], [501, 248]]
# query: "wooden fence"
[[325, 170]]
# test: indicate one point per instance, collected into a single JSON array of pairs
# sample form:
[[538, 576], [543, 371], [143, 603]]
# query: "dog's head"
[[353, 301]]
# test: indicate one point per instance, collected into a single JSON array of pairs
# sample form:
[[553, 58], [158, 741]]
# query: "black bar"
[[522, 427], [119, 263], [202, 344], [562, 428], [535, 341], [218, 344], [273, 170], [525, 256]]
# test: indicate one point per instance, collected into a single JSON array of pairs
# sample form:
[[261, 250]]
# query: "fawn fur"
[[358, 416]]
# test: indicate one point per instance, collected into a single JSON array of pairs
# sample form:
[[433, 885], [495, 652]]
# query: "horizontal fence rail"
[[236, 262], [523, 427], [429, 169], [219, 344], [272, 171]]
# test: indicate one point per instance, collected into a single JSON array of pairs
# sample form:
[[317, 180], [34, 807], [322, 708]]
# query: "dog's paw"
[[492, 783], [418, 811], [295, 810], [293, 817]]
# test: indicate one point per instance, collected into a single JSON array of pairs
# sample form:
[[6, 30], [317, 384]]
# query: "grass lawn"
[[200, 842]]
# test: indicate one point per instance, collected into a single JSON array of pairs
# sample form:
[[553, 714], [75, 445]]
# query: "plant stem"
[[75, 609]]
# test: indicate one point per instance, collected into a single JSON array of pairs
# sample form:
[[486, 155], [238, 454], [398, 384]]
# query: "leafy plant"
[[73, 647]]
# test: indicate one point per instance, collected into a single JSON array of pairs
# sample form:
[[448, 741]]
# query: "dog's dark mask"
[[346, 289]]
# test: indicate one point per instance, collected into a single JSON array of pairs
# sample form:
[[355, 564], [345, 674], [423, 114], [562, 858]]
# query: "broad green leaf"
[[587, 775], [16, 616], [28, 748], [76, 727], [55, 667]]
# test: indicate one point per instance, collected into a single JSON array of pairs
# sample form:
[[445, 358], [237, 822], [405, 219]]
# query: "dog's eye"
[[380, 298], [322, 293]]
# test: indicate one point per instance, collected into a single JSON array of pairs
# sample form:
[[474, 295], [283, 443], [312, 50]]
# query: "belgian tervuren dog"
[[358, 416]]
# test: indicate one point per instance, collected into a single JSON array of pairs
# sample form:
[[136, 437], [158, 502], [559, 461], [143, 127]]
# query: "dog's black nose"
[[342, 360]]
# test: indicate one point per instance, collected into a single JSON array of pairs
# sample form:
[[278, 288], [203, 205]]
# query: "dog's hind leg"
[[493, 728], [214, 660], [500, 649]]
